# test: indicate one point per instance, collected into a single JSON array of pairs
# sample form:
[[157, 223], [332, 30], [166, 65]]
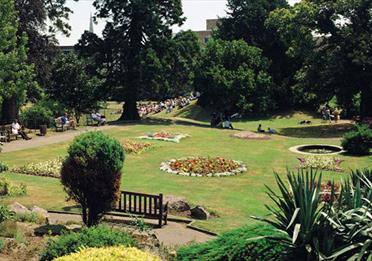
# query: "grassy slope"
[[234, 199]]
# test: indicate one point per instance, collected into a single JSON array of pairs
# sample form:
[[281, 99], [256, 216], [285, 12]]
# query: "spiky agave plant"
[[297, 212], [351, 219]]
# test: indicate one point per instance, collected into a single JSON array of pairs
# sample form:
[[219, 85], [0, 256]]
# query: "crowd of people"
[[168, 105]]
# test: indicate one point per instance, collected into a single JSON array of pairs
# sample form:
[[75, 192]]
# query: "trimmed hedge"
[[110, 253], [245, 243], [99, 236]]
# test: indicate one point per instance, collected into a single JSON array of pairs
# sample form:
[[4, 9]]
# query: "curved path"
[[57, 137]]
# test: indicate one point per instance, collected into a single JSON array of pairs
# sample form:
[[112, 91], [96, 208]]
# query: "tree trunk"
[[130, 111], [133, 64], [9, 110], [366, 101]]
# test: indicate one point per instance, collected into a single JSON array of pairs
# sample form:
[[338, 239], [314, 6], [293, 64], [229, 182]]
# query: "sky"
[[195, 11]]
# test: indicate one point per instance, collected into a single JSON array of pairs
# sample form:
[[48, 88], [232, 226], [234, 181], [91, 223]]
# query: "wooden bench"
[[61, 127], [146, 205], [6, 131]]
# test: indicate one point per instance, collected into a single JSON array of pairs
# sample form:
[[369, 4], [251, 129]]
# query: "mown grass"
[[234, 199]]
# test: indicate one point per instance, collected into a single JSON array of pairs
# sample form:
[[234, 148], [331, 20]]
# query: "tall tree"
[[73, 87], [169, 66], [246, 20], [16, 76], [41, 20], [233, 76], [337, 38], [132, 25]]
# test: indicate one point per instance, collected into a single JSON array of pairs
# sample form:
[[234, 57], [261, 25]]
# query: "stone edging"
[[165, 166], [295, 149]]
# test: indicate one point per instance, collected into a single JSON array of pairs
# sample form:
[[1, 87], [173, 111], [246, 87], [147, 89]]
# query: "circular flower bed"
[[135, 147], [248, 135], [165, 136], [203, 167]]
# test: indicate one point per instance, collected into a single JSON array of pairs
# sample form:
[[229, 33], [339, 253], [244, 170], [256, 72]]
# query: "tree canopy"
[[132, 26], [233, 77], [335, 39], [16, 76]]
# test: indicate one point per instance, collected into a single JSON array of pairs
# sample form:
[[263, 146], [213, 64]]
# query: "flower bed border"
[[165, 166]]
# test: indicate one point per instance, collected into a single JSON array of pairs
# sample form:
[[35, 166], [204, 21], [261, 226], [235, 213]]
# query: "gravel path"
[[57, 137]]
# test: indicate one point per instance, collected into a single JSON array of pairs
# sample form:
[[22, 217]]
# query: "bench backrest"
[[140, 204]]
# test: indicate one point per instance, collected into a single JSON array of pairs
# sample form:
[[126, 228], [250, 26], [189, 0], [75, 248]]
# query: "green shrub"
[[99, 236], [246, 243], [5, 213], [3, 167], [8, 229], [6, 189], [358, 141], [91, 174], [4, 186], [35, 116], [29, 217]]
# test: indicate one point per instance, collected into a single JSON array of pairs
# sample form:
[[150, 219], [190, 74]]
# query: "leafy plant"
[[358, 141], [28, 217], [5, 213], [116, 253], [3, 166], [6, 189], [99, 236], [245, 243], [139, 224], [35, 116], [297, 212], [91, 174]]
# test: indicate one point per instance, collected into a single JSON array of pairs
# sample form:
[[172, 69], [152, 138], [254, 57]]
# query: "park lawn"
[[233, 199]]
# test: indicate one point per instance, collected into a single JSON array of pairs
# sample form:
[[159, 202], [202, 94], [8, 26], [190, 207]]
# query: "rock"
[[41, 213], [18, 208], [177, 204], [199, 212]]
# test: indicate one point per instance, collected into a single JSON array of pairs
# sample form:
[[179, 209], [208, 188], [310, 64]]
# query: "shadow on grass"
[[319, 131]]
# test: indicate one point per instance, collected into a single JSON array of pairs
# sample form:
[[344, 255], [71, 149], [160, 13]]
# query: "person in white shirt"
[[17, 129], [98, 117]]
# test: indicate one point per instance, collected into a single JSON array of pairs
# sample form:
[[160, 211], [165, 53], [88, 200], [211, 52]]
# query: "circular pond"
[[317, 149]]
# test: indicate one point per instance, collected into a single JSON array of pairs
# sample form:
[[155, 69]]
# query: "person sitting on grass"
[[215, 120], [98, 118], [271, 130], [17, 129], [226, 123], [259, 129]]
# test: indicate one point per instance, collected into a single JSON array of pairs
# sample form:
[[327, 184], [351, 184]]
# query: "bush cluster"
[[6, 189], [99, 236], [109, 253], [245, 243], [3, 167], [35, 116], [358, 141]]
